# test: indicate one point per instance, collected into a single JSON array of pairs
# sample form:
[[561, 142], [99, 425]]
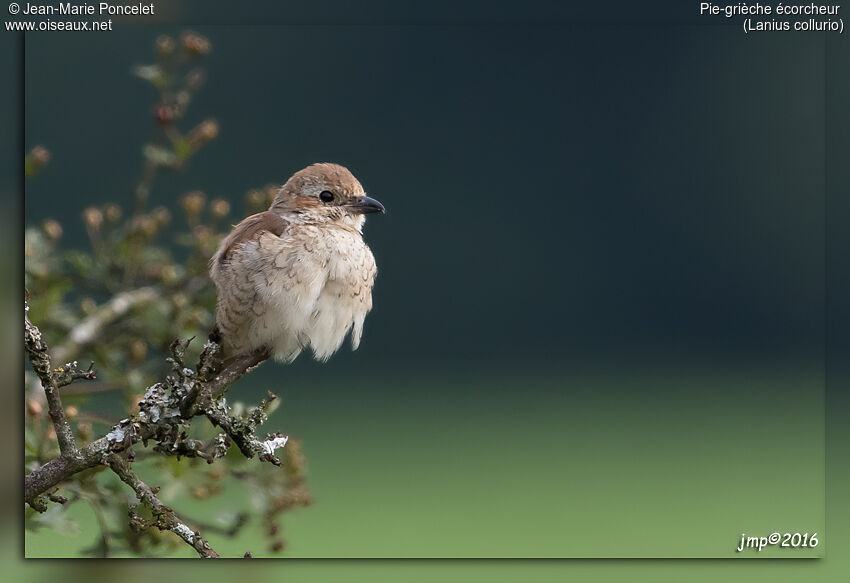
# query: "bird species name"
[[758, 9]]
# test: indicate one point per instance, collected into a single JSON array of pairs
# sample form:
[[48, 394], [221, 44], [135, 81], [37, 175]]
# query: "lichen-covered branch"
[[71, 372], [36, 349], [59, 469], [243, 436], [164, 517], [165, 413]]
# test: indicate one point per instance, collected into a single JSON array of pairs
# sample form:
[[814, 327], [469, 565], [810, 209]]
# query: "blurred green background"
[[636, 464], [599, 323]]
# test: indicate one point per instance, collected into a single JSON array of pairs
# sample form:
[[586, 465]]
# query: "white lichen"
[[211, 348], [116, 435], [184, 531], [272, 444], [154, 412]]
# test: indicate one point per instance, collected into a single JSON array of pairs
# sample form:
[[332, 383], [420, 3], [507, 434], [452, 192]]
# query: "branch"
[[62, 468], [210, 450], [36, 349], [164, 516], [72, 372], [88, 330], [243, 436], [164, 413], [207, 398]]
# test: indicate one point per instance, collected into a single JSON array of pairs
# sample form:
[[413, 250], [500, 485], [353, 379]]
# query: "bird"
[[299, 275]]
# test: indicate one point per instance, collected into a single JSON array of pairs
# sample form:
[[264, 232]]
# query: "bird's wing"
[[360, 281], [232, 269], [269, 277], [248, 230]]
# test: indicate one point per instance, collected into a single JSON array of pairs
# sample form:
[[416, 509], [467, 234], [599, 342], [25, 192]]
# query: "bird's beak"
[[366, 205]]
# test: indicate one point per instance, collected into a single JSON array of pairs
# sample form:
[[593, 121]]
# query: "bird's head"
[[325, 193]]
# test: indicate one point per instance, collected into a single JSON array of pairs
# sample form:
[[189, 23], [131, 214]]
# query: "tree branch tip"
[[59, 499]]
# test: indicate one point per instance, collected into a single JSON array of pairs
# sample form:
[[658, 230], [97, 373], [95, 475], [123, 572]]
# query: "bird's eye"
[[326, 196]]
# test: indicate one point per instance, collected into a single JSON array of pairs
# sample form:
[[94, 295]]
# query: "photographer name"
[[68, 9]]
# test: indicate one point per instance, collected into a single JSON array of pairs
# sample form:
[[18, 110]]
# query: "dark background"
[[553, 191], [590, 197]]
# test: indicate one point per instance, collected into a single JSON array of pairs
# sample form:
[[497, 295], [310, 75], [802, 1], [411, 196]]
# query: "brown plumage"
[[298, 275]]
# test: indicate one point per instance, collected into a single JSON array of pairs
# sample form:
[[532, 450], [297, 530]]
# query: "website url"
[[52, 25]]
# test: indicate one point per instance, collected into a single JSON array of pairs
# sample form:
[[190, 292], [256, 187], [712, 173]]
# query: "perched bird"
[[298, 275]]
